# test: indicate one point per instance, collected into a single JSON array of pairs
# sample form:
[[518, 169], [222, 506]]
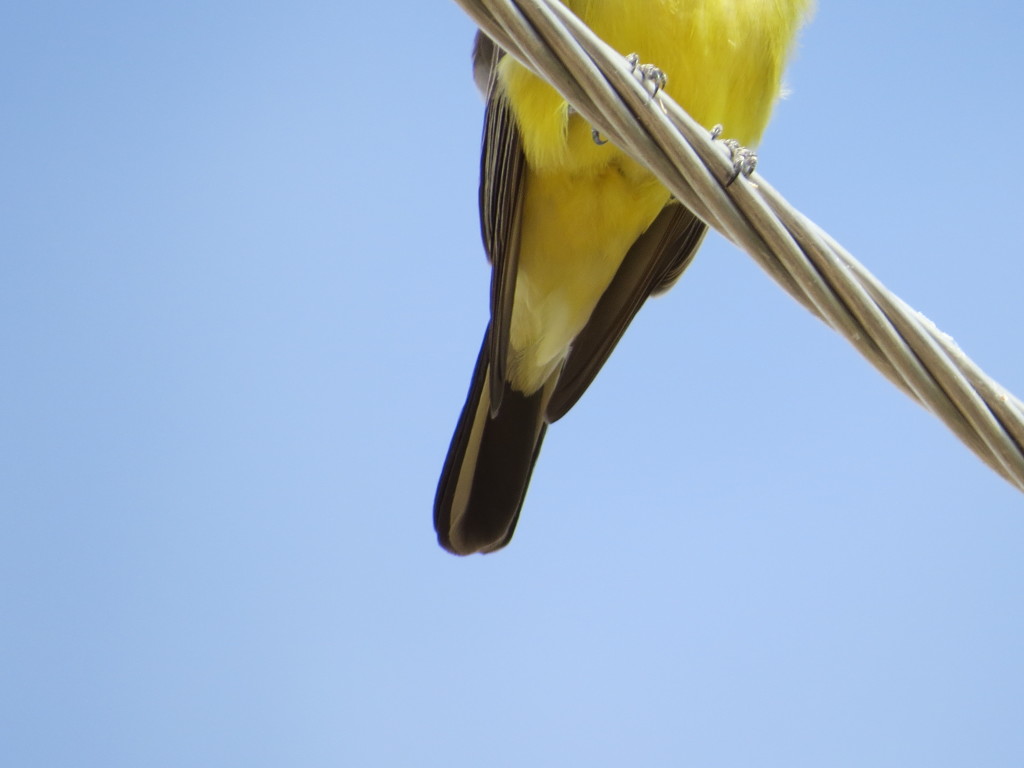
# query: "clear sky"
[[241, 293]]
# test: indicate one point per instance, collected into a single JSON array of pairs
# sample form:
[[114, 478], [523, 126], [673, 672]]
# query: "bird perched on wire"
[[579, 235]]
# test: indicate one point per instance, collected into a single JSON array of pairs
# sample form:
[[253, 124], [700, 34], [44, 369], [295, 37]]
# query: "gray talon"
[[650, 76], [743, 160]]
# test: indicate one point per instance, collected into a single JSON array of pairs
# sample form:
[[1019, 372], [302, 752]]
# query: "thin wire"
[[901, 343]]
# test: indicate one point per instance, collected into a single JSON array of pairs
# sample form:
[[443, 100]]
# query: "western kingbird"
[[579, 235]]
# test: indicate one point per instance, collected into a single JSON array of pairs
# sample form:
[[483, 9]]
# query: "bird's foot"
[[651, 78], [744, 161]]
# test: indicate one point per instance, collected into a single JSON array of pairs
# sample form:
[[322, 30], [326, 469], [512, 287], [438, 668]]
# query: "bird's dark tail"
[[488, 467]]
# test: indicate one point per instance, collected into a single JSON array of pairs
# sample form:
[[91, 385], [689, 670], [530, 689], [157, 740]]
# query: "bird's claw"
[[744, 160], [651, 78]]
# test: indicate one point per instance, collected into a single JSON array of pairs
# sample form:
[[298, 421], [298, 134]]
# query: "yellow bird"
[[579, 235]]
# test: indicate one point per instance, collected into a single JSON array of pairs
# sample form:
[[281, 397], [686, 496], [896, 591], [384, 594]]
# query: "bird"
[[579, 235]]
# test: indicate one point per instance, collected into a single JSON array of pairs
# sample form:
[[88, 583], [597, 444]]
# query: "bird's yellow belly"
[[578, 227]]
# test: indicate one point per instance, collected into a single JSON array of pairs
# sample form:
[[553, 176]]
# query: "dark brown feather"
[[502, 176], [488, 469]]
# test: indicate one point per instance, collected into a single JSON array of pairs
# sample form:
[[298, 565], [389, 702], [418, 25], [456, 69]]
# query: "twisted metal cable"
[[900, 342]]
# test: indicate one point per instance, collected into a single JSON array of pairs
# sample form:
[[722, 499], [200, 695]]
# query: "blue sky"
[[241, 292]]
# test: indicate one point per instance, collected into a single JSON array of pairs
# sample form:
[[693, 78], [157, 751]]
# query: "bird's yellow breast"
[[586, 204]]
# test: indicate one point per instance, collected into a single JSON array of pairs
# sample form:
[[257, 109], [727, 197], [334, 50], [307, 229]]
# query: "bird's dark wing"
[[502, 176]]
